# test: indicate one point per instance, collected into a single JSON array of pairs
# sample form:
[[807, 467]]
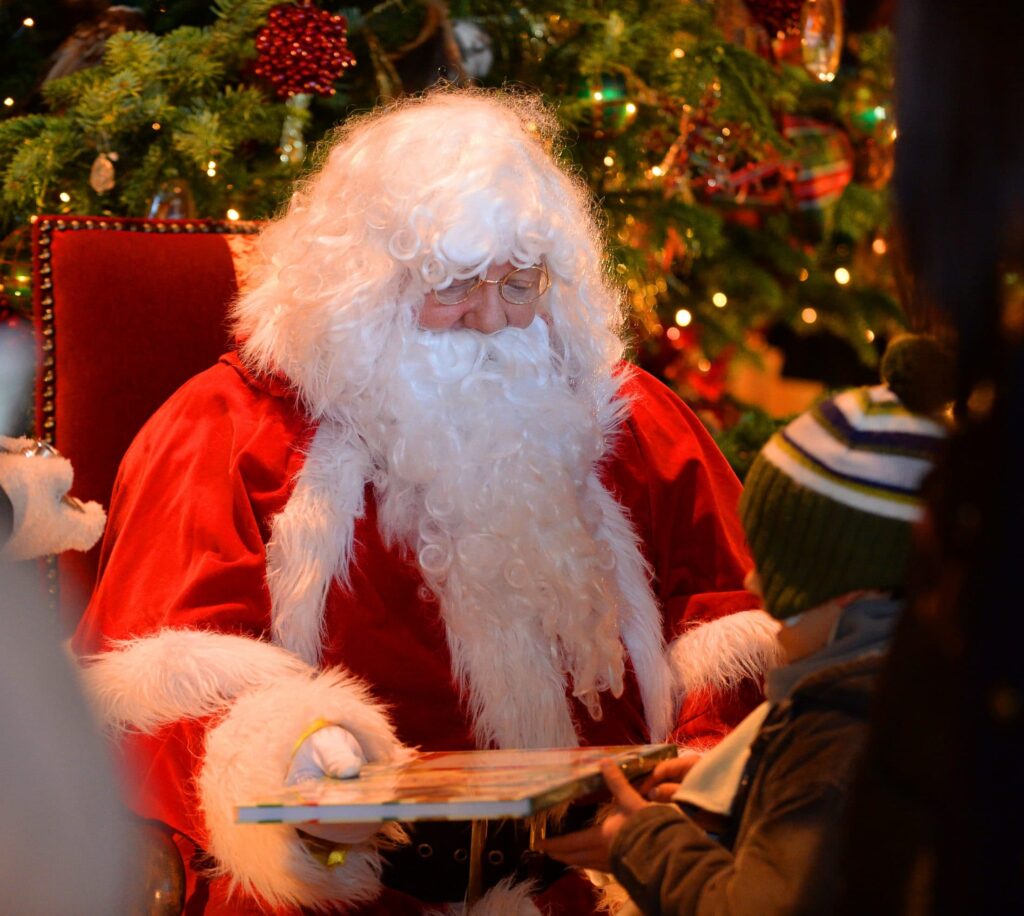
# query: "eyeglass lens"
[[518, 287]]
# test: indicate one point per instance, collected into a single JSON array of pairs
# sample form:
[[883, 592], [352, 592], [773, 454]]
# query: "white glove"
[[36, 479], [331, 751]]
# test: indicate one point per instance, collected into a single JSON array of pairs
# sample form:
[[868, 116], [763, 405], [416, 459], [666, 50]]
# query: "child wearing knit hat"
[[828, 508]]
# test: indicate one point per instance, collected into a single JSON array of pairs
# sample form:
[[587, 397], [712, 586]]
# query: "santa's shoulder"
[[649, 398], [224, 409]]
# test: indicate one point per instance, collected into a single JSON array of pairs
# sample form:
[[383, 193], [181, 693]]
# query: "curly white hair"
[[405, 199]]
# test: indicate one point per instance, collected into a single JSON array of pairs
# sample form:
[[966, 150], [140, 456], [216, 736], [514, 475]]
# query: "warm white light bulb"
[[683, 318], [842, 276], [720, 300]]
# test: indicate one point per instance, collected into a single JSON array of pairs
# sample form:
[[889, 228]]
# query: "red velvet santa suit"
[[212, 709]]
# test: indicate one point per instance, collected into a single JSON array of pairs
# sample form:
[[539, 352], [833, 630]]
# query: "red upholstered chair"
[[126, 311]]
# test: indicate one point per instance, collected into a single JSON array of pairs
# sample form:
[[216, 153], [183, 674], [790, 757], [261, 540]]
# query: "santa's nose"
[[487, 311]]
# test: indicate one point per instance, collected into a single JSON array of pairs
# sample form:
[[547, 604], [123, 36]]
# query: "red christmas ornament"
[[303, 49]]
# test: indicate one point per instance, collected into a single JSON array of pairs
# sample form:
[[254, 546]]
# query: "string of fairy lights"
[[28, 23]]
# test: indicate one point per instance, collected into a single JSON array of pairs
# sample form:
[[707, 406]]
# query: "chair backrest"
[[126, 311]]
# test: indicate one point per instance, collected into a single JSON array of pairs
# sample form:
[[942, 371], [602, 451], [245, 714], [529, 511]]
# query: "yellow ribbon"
[[315, 727], [337, 857], [328, 854]]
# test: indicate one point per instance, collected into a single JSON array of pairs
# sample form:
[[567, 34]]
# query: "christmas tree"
[[741, 151]]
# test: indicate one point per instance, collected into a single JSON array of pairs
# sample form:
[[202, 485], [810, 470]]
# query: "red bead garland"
[[303, 48]]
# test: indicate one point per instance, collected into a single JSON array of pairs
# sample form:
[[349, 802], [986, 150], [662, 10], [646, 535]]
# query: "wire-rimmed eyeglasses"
[[519, 286]]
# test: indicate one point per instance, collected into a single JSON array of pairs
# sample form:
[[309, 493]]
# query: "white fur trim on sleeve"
[[720, 654], [43, 524], [144, 684], [247, 756]]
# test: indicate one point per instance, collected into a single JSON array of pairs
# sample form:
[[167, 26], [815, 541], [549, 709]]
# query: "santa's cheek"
[[521, 316], [436, 317]]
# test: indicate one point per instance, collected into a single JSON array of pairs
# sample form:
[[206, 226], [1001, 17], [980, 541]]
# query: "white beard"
[[486, 468]]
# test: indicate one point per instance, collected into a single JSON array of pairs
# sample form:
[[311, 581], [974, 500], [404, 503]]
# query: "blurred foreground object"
[[935, 823], [65, 844]]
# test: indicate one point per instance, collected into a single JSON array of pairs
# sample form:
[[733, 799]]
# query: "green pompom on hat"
[[829, 503]]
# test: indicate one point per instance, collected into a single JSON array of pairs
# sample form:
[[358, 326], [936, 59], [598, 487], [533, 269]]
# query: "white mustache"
[[453, 355]]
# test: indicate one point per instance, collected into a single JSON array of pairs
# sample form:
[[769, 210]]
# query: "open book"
[[454, 786]]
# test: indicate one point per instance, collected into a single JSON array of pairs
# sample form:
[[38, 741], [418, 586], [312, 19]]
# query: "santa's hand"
[[331, 751]]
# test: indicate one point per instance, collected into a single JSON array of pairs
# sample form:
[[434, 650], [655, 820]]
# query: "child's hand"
[[591, 848], [663, 781]]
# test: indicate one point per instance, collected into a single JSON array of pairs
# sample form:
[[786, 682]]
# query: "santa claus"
[[424, 505]]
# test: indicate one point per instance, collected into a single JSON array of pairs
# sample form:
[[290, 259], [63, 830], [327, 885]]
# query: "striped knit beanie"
[[829, 503]]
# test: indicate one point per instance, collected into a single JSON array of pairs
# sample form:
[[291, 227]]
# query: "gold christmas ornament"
[[101, 175]]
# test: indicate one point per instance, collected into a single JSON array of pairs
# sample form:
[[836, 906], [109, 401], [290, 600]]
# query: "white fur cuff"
[[721, 654], [247, 756], [145, 684]]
